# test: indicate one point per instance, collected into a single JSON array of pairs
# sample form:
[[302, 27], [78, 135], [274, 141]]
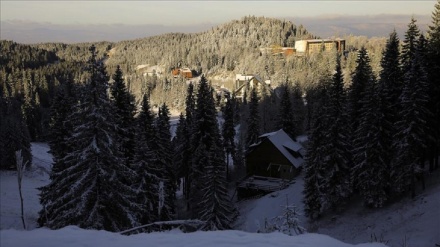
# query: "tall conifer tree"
[[124, 104], [92, 191], [412, 131], [209, 200], [433, 56], [253, 120]]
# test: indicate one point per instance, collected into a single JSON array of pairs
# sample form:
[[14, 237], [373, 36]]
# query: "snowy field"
[[417, 219]]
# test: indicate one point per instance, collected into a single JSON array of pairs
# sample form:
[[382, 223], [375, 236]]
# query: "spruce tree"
[[145, 121], [228, 132], [61, 126], [410, 45], [187, 149], [316, 155], [253, 120], [412, 131], [164, 160], [285, 115], [361, 77], [178, 144], [433, 56], [371, 146], [123, 102], [209, 199], [92, 191], [336, 185], [298, 108], [389, 89], [144, 160]]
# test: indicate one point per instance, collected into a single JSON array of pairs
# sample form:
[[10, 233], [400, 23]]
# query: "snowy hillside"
[[416, 221], [73, 236], [11, 233]]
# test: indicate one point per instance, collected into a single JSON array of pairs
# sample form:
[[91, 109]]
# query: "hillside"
[[415, 221], [11, 233]]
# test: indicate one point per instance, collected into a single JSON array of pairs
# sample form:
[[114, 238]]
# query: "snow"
[[74, 236], [34, 178], [417, 220]]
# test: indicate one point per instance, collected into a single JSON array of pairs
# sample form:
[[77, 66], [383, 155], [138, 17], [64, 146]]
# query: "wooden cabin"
[[275, 155]]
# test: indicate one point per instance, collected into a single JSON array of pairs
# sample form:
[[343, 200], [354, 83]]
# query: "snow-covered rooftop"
[[283, 143]]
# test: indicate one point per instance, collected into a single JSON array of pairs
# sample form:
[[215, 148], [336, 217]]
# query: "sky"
[[76, 21]]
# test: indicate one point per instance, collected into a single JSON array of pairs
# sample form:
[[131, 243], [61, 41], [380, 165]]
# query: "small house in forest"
[[275, 155], [184, 72], [271, 164]]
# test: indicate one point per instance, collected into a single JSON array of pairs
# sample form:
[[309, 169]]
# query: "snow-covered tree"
[[164, 160], [209, 199], [412, 130], [410, 45], [61, 125], [228, 131], [316, 155], [336, 184], [253, 120], [361, 77], [92, 190], [144, 160], [371, 170], [285, 115], [287, 223], [124, 115], [433, 56]]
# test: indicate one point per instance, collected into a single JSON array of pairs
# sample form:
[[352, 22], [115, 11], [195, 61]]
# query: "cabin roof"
[[285, 145]]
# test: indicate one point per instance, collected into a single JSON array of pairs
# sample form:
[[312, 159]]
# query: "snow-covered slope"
[[34, 178], [12, 233], [73, 236], [416, 221]]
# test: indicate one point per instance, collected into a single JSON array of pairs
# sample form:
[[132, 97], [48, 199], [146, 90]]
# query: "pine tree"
[[371, 170], [209, 199], [336, 185], [228, 132], [253, 120], [285, 116], [433, 56], [218, 212], [315, 157], [92, 191], [123, 102], [61, 126], [373, 138], [164, 160], [412, 131], [144, 161], [361, 77], [145, 121], [410, 45], [179, 144], [389, 89], [186, 148], [288, 223], [298, 108]]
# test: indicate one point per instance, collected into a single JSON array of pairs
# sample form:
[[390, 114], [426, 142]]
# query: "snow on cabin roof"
[[284, 143]]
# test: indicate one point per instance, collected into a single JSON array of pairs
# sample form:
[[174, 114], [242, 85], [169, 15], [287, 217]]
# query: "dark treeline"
[[379, 137]]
